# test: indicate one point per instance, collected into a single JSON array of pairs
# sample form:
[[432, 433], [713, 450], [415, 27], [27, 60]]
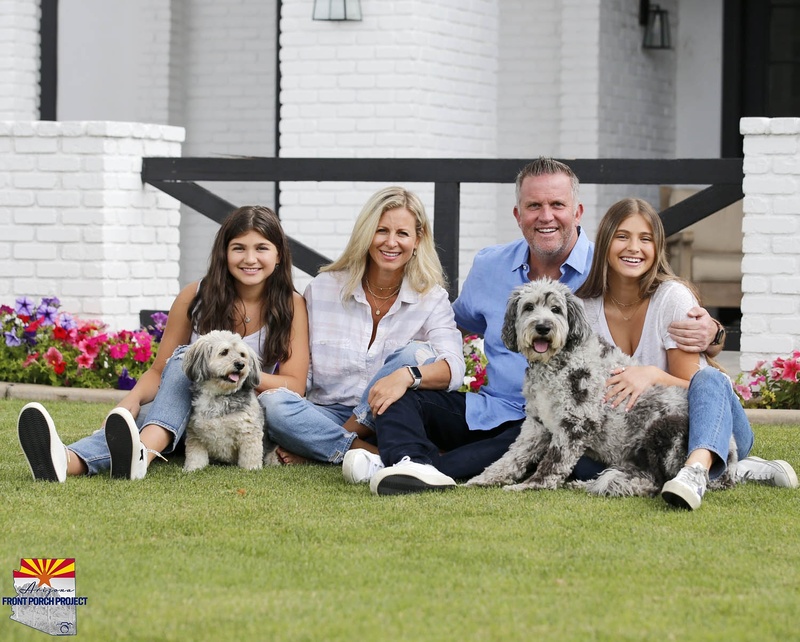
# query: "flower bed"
[[771, 386], [44, 345]]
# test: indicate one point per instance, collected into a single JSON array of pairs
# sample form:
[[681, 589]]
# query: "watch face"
[[415, 371]]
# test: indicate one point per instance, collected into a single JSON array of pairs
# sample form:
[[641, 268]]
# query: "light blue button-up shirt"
[[481, 308]]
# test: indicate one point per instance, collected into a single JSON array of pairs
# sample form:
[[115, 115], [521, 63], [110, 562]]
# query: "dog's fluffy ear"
[[509, 333], [196, 359], [255, 368], [579, 328]]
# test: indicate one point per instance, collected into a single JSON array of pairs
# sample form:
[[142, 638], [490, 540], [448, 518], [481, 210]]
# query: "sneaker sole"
[[120, 446], [33, 430], [405, 485], [681, 497]]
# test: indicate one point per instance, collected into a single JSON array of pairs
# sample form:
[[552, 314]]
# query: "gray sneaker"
[[770, 472], [687, 488], [408, 476]]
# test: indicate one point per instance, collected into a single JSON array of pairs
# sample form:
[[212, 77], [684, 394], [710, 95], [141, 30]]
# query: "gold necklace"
[[626, 305], [379, 308], [393, 287], [396, 289]]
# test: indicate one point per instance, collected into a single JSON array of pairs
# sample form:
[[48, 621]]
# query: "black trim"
[[48, 51], [698, 206], [438, 170]]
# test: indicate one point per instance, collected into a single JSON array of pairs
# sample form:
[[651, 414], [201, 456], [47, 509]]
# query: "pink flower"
[[30, 359], [744, 392], [119, 350], [85, 361], [790, 369], [53, 356], [142, 354]]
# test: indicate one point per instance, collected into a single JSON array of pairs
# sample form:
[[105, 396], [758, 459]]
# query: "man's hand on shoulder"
[[696, 332]]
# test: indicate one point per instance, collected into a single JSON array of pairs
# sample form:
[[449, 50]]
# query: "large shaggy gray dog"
[[566, 417], [227, 422]]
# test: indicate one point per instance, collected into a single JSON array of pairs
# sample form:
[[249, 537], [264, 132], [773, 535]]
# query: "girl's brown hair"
[[213, 306]]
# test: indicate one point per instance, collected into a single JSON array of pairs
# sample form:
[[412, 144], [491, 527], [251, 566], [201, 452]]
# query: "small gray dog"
[[227, 422], [566, 418]]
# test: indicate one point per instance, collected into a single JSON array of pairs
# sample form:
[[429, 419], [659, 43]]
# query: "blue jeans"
[[315, 431], [170, 409], [430, 427], [714, 415]]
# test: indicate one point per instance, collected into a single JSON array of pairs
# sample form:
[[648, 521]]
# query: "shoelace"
[[374, 466], [152, 452], [695, 477]]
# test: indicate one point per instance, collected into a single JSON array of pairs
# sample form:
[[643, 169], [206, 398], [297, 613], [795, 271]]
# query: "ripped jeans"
[[315, 431], [170, 409]]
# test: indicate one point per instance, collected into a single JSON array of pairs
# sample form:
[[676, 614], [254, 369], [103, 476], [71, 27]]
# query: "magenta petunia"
[[119, 350]]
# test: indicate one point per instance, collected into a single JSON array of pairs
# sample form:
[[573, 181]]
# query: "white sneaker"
[[46, 454], [359, 465], [687, 488], [408, 476], [770, 472], [128, 454]]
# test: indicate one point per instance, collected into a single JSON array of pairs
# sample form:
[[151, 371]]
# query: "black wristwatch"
[[417, 377], [720, 336]]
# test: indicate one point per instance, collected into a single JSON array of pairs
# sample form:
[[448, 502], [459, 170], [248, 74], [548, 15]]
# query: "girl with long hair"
[[630, 297], [248, 290]]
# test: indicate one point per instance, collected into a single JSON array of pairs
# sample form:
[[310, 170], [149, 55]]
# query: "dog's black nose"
[[239, 365], [542, 329]]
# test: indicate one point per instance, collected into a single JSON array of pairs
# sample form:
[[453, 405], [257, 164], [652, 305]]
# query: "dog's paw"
[[191, 467]]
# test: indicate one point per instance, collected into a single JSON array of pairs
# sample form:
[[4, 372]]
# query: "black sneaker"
[[46, 454]]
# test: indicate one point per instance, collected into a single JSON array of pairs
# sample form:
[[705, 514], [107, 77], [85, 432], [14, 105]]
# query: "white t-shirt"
[[670, 302]]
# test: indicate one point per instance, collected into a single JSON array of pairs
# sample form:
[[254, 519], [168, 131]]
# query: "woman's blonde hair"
[[597, 283], [423, 270]]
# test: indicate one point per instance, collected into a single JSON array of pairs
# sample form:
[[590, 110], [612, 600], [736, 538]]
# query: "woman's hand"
[[388, 390], [628, 382]]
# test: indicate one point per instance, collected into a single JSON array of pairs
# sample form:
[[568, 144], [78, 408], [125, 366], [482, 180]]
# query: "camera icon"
[[65, 627]]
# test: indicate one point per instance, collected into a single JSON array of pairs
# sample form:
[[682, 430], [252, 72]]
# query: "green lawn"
[[294, 553]]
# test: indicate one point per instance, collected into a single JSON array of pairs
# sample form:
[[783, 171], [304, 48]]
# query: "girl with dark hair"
[[630, 297], [247, 289]]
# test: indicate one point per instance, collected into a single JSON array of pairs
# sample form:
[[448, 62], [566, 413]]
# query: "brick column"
[[76, 221], [771, 226]]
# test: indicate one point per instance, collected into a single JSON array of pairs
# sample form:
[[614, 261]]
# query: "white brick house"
[[414, 78]]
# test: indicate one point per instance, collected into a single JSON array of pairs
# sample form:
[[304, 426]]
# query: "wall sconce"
[[655, 21], [337, 10]]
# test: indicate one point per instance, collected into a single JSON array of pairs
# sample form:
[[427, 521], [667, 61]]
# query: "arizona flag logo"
[[58, 574]]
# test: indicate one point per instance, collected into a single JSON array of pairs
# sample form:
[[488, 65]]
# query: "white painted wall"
[[698, 79], [113, 60], [19, 59], [412, 79]]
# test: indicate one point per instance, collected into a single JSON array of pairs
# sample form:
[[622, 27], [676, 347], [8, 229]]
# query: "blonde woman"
[[380, 322]]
